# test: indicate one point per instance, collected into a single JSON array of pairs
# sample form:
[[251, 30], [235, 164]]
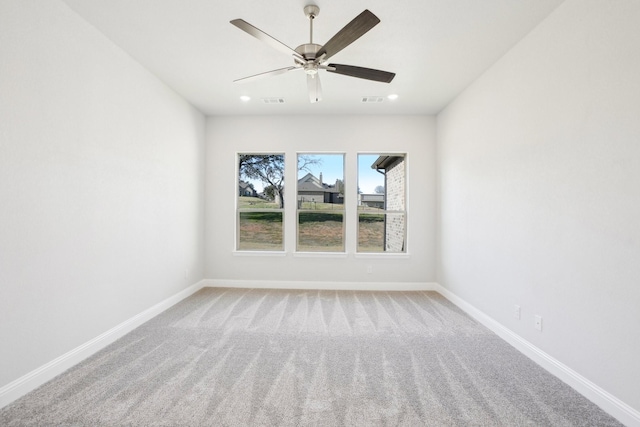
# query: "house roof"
[[383, 162], [310, 183]]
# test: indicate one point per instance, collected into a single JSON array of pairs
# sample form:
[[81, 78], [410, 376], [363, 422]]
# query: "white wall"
[[227, 136], [539, 191], [101, 186]]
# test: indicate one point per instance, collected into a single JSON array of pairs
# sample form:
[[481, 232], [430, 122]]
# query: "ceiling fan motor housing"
[[309, 50]]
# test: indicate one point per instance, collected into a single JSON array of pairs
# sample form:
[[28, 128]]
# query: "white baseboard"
[[37, 377], [340, 286], [605, 400]]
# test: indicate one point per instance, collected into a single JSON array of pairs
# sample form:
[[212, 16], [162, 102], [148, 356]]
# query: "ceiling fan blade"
[[350, 33], [267, 74], [315, 89], [262, 36], [362, 73]]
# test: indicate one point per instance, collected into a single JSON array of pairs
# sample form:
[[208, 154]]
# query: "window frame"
[[350, 208], [239, 210], [385, 211], [342, 211]]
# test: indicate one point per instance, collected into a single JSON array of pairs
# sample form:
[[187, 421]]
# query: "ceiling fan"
[[312, 57]]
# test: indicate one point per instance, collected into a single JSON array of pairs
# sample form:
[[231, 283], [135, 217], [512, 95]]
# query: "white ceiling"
[[435, 47]]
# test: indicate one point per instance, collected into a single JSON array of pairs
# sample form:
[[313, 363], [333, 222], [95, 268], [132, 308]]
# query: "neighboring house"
[[312, 189], [393, 168], [246, 189], [375, 200]]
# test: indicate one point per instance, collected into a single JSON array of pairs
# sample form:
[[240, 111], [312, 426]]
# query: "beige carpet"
[[238, 357]]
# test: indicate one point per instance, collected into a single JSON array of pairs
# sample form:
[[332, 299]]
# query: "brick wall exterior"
[[395, 223]]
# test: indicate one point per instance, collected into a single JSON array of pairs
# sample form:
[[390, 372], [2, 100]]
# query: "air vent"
[[372, 99], [273, 100]]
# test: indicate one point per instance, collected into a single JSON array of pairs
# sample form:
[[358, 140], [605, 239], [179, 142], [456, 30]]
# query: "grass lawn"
[[319, 229], [261, 231], [245, 202], [371, 233], [318, 206]]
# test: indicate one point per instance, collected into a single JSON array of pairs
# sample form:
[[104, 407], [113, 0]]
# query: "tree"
[[304, 161], [269, 192], [379, 189], [269, 168]]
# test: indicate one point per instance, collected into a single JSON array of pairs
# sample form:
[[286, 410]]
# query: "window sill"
[[363, 255], [320, 254], [259, 253], [382, 255]]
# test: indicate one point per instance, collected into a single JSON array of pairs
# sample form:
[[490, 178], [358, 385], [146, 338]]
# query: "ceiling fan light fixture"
[[311, 68]]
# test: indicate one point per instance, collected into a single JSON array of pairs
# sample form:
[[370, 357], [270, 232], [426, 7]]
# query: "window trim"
[[238, 210], [385, 211], [343, 211], [350, 210]]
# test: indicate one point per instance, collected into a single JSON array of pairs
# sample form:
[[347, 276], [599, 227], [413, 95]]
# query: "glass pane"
[[260, 181], [380, 232], [260, 189], [321, 231], [370, 182], [260, 231], [381, 181], [370, 232], [394, 233], [320, 198], [381, 203], [321, 181]]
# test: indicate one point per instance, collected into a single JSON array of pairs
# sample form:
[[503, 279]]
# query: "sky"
[[332, 168], [368, 179]]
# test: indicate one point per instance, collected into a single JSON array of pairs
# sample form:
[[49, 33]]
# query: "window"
[[260, 203], [381, 203], [319, 217], [320, 199]]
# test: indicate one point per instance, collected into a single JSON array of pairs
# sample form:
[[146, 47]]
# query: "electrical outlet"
[[516, 311], [538, 322], [369, 269]]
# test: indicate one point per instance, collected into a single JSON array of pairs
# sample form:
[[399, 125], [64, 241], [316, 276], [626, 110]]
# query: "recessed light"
[[393, 96], [245, 98]]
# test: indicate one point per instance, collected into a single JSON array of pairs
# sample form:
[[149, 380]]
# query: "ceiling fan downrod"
[[311, 11], [309, 50]]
